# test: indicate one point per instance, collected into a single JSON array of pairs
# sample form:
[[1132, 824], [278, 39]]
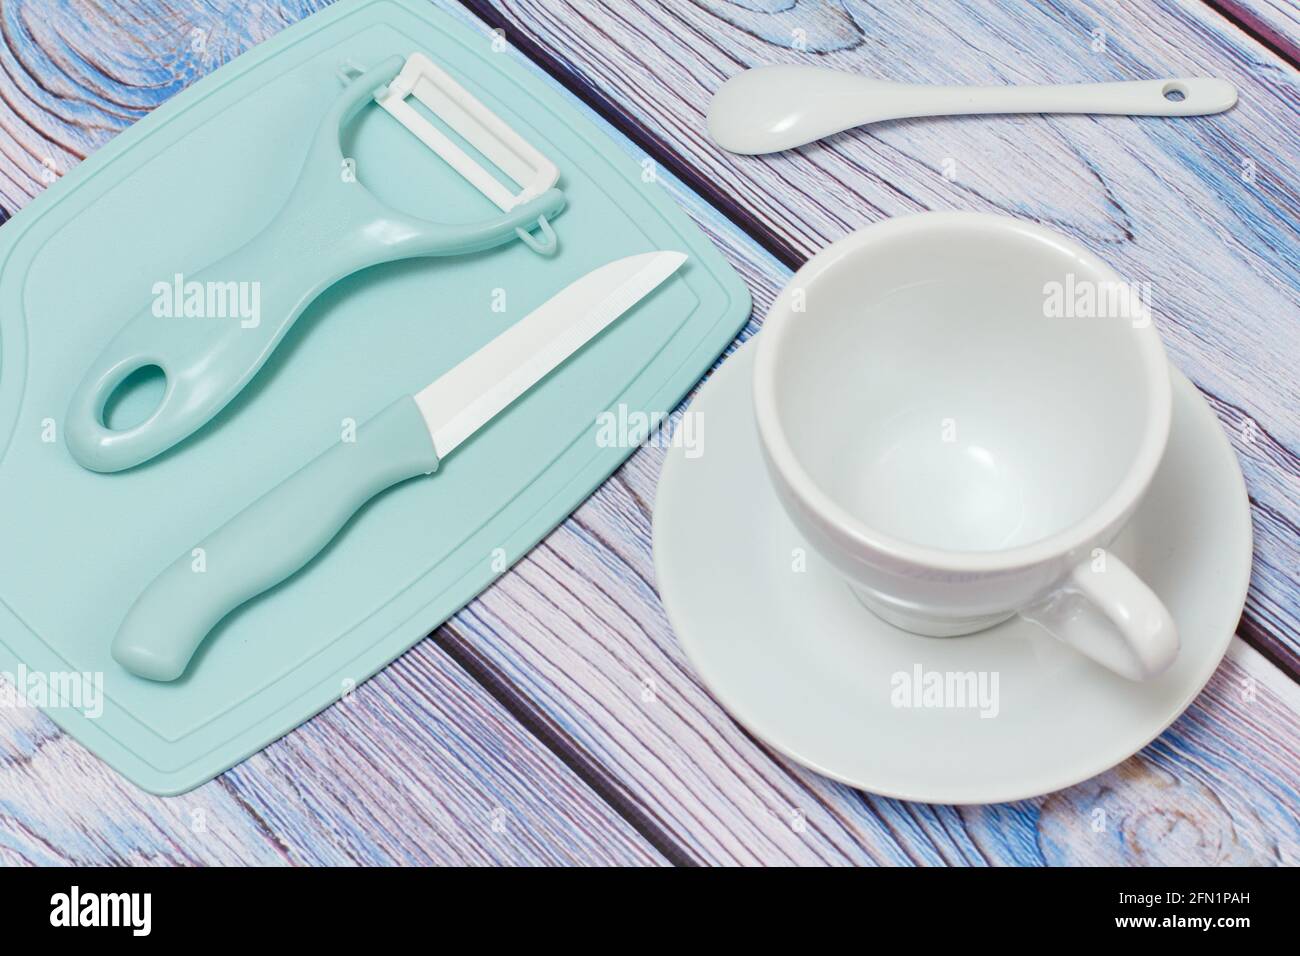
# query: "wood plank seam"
[[1255, 28], [942, 828], [925, 818], [281, 849], [688, 675], [541, 594], [1255, 629], [460, 649]]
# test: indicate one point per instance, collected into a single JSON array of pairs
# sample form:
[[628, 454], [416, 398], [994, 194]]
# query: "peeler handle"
[[269, 540], [329, 227], [208, 332]]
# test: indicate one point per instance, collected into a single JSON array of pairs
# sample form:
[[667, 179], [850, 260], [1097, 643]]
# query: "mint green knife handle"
[[268, 541], [329, 227]]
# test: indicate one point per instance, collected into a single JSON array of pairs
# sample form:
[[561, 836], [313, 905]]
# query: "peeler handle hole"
[[135, 399]]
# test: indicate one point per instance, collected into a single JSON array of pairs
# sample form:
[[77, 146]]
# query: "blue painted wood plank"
[[418, 766], [1204, 209], [621, 59], [1272, 23], [573, 646]]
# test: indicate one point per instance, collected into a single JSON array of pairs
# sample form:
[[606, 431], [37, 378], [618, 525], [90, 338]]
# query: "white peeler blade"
[[477, 125]]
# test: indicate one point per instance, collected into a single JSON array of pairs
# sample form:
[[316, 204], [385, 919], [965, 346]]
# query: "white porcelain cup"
[[960, 412]]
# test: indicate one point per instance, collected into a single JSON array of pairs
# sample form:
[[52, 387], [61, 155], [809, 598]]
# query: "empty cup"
[[961, 411]]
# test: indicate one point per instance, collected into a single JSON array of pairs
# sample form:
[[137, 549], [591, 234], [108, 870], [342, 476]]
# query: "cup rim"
[[779, 322]]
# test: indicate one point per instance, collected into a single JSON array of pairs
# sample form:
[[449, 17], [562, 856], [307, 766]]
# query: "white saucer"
[[803, 666]]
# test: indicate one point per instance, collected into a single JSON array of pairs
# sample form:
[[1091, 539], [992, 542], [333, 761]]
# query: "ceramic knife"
[[276, 535]]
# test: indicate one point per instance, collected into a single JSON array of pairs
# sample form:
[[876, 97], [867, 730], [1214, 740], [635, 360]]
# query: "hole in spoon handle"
[[1191, 96]]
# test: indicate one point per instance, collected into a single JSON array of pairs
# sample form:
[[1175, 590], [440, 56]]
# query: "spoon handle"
[[772, 108], [1176, 96]]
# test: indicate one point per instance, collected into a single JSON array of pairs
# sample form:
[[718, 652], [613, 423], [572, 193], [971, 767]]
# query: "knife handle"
[[269, 540]]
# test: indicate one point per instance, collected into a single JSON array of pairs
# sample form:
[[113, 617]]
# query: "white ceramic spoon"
[[771, 108]]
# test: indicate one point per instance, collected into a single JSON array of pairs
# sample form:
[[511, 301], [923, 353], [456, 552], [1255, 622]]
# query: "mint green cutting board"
[[216, 162]]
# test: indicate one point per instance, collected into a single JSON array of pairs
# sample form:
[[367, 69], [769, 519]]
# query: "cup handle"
[[1106, 612]]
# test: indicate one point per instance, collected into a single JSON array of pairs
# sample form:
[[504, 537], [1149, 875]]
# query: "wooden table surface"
[[556, 720]]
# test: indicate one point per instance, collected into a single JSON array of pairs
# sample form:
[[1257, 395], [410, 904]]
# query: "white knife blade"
[[468, 396]]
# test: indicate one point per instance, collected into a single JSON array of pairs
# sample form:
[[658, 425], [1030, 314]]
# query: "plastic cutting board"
[[211, 165]]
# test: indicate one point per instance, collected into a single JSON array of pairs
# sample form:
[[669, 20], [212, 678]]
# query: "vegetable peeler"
[[329, 227]]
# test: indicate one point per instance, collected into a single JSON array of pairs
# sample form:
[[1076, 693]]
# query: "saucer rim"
[[1196, 683]]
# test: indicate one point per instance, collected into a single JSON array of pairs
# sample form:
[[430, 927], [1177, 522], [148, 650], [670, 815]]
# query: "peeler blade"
[[480, 128]]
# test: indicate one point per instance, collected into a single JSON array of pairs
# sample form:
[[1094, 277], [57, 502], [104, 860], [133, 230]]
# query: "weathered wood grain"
[[1205, 209], [577, 628], [571, 649], [621, 526], [1180, 801], [417, 766], [1274, 23], [73, 73]]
